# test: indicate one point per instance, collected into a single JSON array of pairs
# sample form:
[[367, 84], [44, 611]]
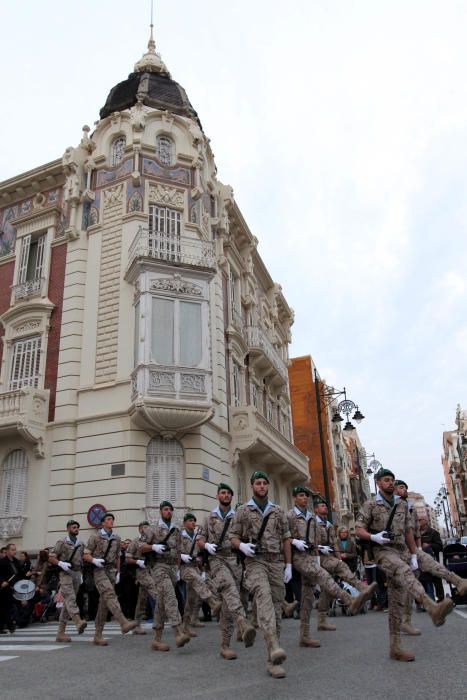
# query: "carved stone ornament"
[[28, 326], [161, 380], [113, 196], [159, 194], [138, 116], [11, 526], [176, 284], [193, 383]]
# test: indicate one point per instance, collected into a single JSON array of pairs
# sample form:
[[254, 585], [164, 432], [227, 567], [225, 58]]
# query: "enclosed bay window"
[[176, 332], [25, 363]]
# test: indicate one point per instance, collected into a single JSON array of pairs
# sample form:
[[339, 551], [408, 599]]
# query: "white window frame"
[[13, 484], [177, 334], [236, 383], [165, 231], [117, 151], [165, 473], [165, 149], [25, 363]]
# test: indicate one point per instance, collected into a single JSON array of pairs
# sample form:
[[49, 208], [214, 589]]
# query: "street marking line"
[[8, 658], [462, 614], [30, 647], [30, 639]]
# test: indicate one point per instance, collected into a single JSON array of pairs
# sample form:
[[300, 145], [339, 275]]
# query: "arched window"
[[165, 473], [13, 484], [117, 150], [165, 150]]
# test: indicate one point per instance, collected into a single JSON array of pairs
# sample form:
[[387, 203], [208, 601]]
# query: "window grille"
[[117, 151], [165, 150], [165, 228], [165, 472], [236, 384], [13, 484], [25, 363]]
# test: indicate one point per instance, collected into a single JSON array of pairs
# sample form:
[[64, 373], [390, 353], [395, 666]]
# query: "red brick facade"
[[55, 294], [6, 280]]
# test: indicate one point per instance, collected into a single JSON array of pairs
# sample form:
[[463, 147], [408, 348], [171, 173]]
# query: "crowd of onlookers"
[[46, 601]]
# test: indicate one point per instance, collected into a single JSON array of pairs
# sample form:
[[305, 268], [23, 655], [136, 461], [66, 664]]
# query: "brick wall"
[[6, 280], [55, 294]]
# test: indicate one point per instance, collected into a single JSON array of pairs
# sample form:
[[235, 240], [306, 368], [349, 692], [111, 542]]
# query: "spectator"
[[431, 544], [10, 573], [26, 565], [348, 549]]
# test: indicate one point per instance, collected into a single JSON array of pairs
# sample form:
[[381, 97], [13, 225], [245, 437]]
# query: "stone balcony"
[[254, 435], [173, 249], [171, 400], [24, 412], [28, 289], [264, 355]]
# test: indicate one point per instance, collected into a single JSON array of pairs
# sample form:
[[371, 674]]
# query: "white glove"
[[203, 576], [287, 573], [413, 562], [158, 548], [380, 538], [65, 565], [117, 578], [248, 549], [324, 549], [98, 562], [177, 575], [140, 563], [300, 545], [185, 558], [211, 548]]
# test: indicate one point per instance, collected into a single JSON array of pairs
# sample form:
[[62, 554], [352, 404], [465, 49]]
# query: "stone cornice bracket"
[[138, 117], [86, 143]]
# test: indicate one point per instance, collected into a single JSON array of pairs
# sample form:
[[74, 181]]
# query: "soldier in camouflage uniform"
[[426, 563], [163, 540], [143, 577], [196, 587], [265, 573], [395, 553], [68, 555], [305, 559], [328, 548], [225, 571], [103, 550]]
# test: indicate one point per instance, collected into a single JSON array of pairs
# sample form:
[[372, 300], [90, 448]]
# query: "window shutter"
[[13, 484], [39, 257], [165, 473], [23, 260], [25, 363]]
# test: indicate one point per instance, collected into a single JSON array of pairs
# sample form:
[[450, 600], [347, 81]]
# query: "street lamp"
[[346, 407], [373, 466], [440, 501]]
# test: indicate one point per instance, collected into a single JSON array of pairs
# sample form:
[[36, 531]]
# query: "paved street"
[[351, 663]]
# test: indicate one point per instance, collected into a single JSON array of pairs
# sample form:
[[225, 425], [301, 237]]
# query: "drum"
[[24, 590]]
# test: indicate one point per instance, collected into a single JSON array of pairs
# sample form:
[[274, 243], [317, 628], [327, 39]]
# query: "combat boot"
[[323, 625], [459, 583], [305, 640], [276, 654], [406, 626], [157, 643], [288, 608], [139, 630], [226, 652], [438, 611], [80, 624], [186, 627], [247, 631], [275, 670], [61, 636], [396, 652], [181, 638], [125, 625], [361, 598], [98, 639]]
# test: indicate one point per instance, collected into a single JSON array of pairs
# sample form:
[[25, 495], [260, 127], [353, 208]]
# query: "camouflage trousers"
[[192, 578], [146, 587], [428, 564], [265, 581], [69, 587], [226, 576], [165, 579], [336, 567], [104, 580], [312, 574]]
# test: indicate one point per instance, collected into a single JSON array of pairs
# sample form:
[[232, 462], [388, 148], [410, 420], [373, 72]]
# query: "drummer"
[[68, 556], [10, 573]]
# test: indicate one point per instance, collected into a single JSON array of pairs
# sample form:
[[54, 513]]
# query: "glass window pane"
[[190, 334], [163, 331]]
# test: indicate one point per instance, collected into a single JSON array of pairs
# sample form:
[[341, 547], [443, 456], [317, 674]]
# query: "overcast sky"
[[342, 127]]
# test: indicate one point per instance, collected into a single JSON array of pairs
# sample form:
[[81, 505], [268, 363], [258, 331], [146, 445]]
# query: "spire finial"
[[151, 42], [151, 61]]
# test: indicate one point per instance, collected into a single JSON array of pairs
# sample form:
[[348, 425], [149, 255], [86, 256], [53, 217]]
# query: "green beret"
[[259, 475], [143, 522], [189, 516], [165, 503], [106, 515], [383, 472], [301, 489], [399, 482], [73, 522], [319, 499], [224, 486]]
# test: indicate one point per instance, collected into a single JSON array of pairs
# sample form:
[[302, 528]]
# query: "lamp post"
[[372, 467], [442, 497], [346, 407]]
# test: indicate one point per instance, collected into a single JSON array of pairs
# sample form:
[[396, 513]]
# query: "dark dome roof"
[[156, 90]]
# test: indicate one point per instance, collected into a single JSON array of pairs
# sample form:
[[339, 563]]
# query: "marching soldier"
[[143, 577], [305, 560], [385, 524], [225, 571], [195, 586], [426, 563], [163, 541], [68, 555], [103, 551], [261, 532], [330, 561]]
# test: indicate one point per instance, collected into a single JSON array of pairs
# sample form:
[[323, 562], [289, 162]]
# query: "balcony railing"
[[24, 411], [173, 248], [30, 288], [256, 338]]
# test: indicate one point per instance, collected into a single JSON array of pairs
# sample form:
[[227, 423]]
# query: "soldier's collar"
[[217, 511], [185, 533], [163, 524], [323, 522], [380, 498], [251, 503], [70, 541], [103, 533], [307, 515]]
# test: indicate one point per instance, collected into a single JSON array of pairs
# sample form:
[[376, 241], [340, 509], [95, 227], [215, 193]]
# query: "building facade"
[[454, 462], [144, 344]]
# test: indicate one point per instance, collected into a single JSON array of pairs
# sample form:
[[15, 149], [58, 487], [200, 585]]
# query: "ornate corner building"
[[144, 345]]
